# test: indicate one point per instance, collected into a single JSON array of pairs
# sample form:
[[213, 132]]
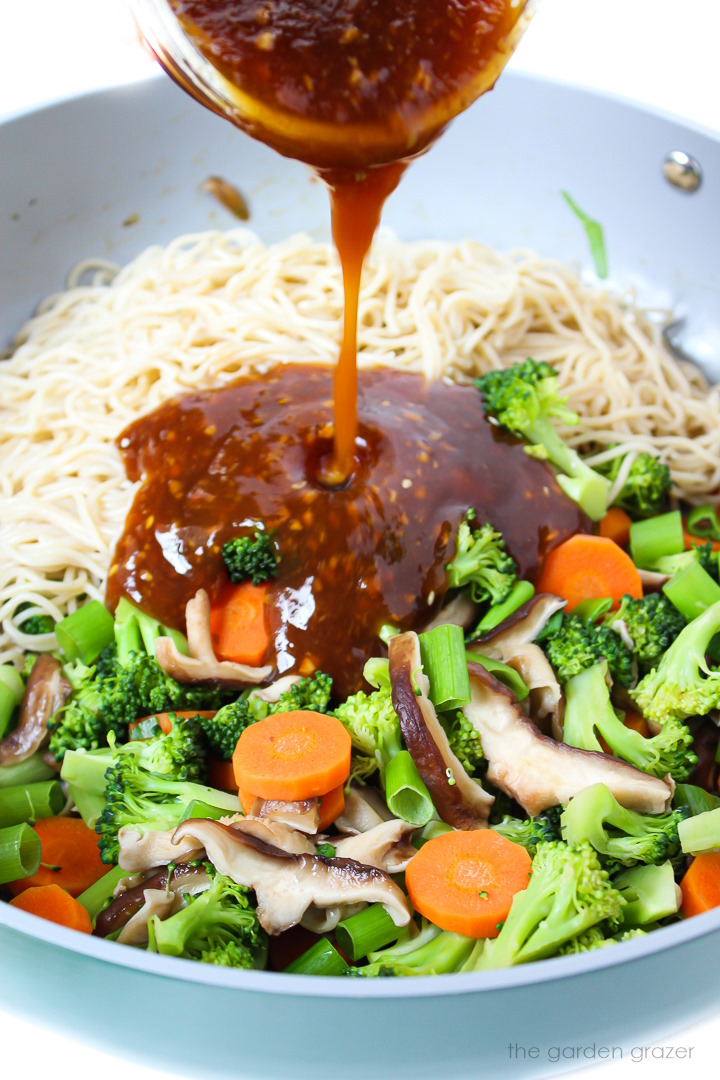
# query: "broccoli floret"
[[373, 727], [180, 753], [623, 836], [38, 624], [595, 939], [250, 559], [568, 894], [646, 488], [683, 684], [431, 952], [110, 695], [146, 801], [524, 399], [481, 562], [218, 926], [652, 624], [701, 553], [543, 829], [589, 714], [578, 645], [464, 741], [225, 728]]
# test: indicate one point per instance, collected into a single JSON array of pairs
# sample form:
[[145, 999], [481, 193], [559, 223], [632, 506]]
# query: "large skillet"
[[113, 172]]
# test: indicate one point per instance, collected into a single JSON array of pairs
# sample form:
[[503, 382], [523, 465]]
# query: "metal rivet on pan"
[[682, 171]]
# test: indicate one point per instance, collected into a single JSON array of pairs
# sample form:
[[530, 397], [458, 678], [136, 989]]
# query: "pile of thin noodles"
[[215, 306]]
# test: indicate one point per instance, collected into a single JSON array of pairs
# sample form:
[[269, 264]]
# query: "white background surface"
[[663, 53]]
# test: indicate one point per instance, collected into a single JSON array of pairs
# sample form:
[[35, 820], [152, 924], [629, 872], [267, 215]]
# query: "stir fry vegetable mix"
[[206, 812]]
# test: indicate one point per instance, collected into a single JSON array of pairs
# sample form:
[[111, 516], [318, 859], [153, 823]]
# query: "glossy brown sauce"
[[214, 464], [353, 88]]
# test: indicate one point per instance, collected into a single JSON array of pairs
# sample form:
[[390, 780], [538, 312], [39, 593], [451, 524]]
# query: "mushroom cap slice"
[[458, 799], [176, 882], [45, 692], [364, 809], [545, 702], [287, 885], [202, 665], [520, 628], [387, 846], [539, 772], [141, 851]]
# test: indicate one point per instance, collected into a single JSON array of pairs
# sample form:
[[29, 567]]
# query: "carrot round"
[[589, 567], [701, 884], [293, 755], [221, 775], [67, 843], [239, 624], [466, 881], [616, 526], [332, 804], [55, 904]]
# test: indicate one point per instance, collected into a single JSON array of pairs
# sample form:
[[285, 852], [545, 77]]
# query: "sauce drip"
[[215, 464], [353, 88]]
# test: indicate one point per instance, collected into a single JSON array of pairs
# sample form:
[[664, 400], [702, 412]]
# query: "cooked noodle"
[[211, 307]]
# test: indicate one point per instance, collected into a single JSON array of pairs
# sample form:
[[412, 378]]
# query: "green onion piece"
[[442, 651], [432, 829], [703, 521], [147, 728], [84, 634], [326, 851], [12, 679], [502, 673], [26, 803], [199, 809], [589, 611], [30, 771], [521, 592], [552, 626], [700, 833], [322, 958], [368, 930], [692, 591], [656, 538], [88, 804], [377, 672], [594, 232], [20, 853], [386, 632], [697, 799], [99, 895], [7, 709], [405, 793]]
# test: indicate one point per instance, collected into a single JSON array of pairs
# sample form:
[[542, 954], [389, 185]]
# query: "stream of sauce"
[[354, 88], [216, 464]]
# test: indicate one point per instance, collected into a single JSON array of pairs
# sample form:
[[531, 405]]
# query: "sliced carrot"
[[293, 755], [55, 904], [68, 844], [616, 526], [239, 624], [690, 539], [332, 804], [221, 775], [164, 719], [466, 881], [701, 884], [589, 567]]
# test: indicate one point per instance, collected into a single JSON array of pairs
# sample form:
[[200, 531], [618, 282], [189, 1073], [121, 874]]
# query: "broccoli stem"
[[322, 958], [700, 833], [30, 771], [582, 484], [29, 802], [20, 853], [521, 592], [502, 672], [84, 634], [98, 896], [405, 793], [134, 631], [366, 932]]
